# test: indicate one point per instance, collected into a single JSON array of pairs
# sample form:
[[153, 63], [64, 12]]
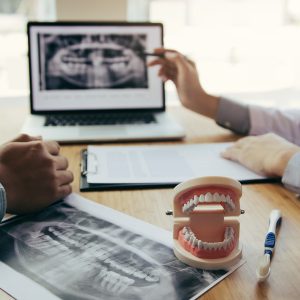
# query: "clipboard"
[[92, 187]]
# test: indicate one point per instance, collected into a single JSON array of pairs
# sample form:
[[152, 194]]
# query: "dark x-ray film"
[[76, 255], [92, 61]]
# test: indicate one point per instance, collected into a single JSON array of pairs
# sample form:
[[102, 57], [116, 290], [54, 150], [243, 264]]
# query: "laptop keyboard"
[[99, 119]]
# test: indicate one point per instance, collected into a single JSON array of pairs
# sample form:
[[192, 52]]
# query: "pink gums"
[[203, 253]]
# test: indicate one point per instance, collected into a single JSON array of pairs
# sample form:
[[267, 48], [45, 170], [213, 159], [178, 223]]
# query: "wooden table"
[[257, 200]]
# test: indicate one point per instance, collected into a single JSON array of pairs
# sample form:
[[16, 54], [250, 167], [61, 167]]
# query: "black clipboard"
[[90, 187]]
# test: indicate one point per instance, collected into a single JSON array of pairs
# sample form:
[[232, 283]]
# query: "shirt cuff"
[[2, 202], [291, 175], [234, 116]]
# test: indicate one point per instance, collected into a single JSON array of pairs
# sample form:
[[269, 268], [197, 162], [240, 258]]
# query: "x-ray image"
[[92, 61], [75, 255]]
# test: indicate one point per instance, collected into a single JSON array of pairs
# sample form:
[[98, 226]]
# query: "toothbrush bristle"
[[264, 265]]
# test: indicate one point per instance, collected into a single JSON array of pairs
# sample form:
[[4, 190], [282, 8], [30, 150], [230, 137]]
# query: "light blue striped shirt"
[[236, 117]]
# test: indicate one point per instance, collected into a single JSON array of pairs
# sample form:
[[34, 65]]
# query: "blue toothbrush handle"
[[270, 241]]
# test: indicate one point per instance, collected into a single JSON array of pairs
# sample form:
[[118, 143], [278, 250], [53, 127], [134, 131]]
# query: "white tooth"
[[205, 245], [187, 236], [218, 245], [184, 230], [196, 200], [222, 198], [208, 197], [216, 198], [201, 198], [228, 199], [184, 208], [199, 244], [231, 204], [194, 242]]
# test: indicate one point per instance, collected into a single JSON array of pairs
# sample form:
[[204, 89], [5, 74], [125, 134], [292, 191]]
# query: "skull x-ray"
[[75, 255], [92, 61]]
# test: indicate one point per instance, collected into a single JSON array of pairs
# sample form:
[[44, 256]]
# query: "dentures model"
[[205, 232]]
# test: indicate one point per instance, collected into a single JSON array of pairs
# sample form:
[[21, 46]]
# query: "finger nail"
[[163, 78], [170, 54]]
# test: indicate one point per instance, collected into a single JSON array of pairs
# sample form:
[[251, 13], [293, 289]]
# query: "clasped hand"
[[33, 174]]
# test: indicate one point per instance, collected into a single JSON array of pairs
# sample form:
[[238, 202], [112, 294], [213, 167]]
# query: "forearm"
[[207, 105], [237, 117], [233, 115]]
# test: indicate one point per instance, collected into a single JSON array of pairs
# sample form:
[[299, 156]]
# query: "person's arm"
[[183, 73], [233, 115], [240, 118], [257, 120]]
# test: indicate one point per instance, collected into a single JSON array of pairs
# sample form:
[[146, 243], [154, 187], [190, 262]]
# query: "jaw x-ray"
[[92, 61], [75, 255]]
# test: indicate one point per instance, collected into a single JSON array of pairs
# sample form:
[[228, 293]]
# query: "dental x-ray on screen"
[[83, 61]]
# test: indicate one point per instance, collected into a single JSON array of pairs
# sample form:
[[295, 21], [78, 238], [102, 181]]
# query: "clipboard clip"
[[84, 163]]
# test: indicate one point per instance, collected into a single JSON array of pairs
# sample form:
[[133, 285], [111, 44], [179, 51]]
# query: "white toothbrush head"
[[263, 269]]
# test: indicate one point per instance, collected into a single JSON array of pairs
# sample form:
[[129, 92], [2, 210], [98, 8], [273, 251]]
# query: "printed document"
[[161, 164]]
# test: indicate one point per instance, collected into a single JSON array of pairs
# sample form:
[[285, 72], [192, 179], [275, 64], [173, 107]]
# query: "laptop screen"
[[93, 66]]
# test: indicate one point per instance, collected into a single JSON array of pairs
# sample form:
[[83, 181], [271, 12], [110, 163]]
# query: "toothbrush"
[[263, 269]]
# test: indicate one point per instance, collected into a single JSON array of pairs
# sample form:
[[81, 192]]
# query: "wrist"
[[207, 105]]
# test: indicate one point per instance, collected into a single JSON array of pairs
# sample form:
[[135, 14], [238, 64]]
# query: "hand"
[[33, 174], [267, 154], [183, 72]]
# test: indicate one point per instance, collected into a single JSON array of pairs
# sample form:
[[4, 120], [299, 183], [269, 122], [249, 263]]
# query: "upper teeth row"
[[208, 198], [191, 238]]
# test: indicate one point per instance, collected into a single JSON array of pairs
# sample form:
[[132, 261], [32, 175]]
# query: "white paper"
[[161, 164], [78, 249]]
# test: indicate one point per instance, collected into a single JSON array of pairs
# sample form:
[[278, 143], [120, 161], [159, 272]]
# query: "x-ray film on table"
[[77, 249]]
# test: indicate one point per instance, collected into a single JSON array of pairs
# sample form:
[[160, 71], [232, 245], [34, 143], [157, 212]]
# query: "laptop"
[[90, 82]]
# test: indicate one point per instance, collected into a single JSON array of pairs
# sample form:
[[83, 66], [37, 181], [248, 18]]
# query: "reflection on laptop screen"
[[87, 66]]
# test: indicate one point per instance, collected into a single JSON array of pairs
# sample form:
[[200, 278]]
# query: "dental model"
[[205, 232]]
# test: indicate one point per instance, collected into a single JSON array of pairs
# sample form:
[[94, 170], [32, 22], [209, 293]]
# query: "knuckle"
[[38, 146], [50, 164], [71, 176], [56, 145], [66, 162], [24, 137]]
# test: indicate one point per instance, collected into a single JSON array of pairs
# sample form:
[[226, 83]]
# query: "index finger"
[[155, 62], [163, 50], [231, 153]]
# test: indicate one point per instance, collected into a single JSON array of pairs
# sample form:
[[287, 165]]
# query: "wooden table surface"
[[257, 200]]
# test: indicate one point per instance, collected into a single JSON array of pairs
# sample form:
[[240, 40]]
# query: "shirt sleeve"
[[285, 123], [291, 176], [2, 202], [234, 116]]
